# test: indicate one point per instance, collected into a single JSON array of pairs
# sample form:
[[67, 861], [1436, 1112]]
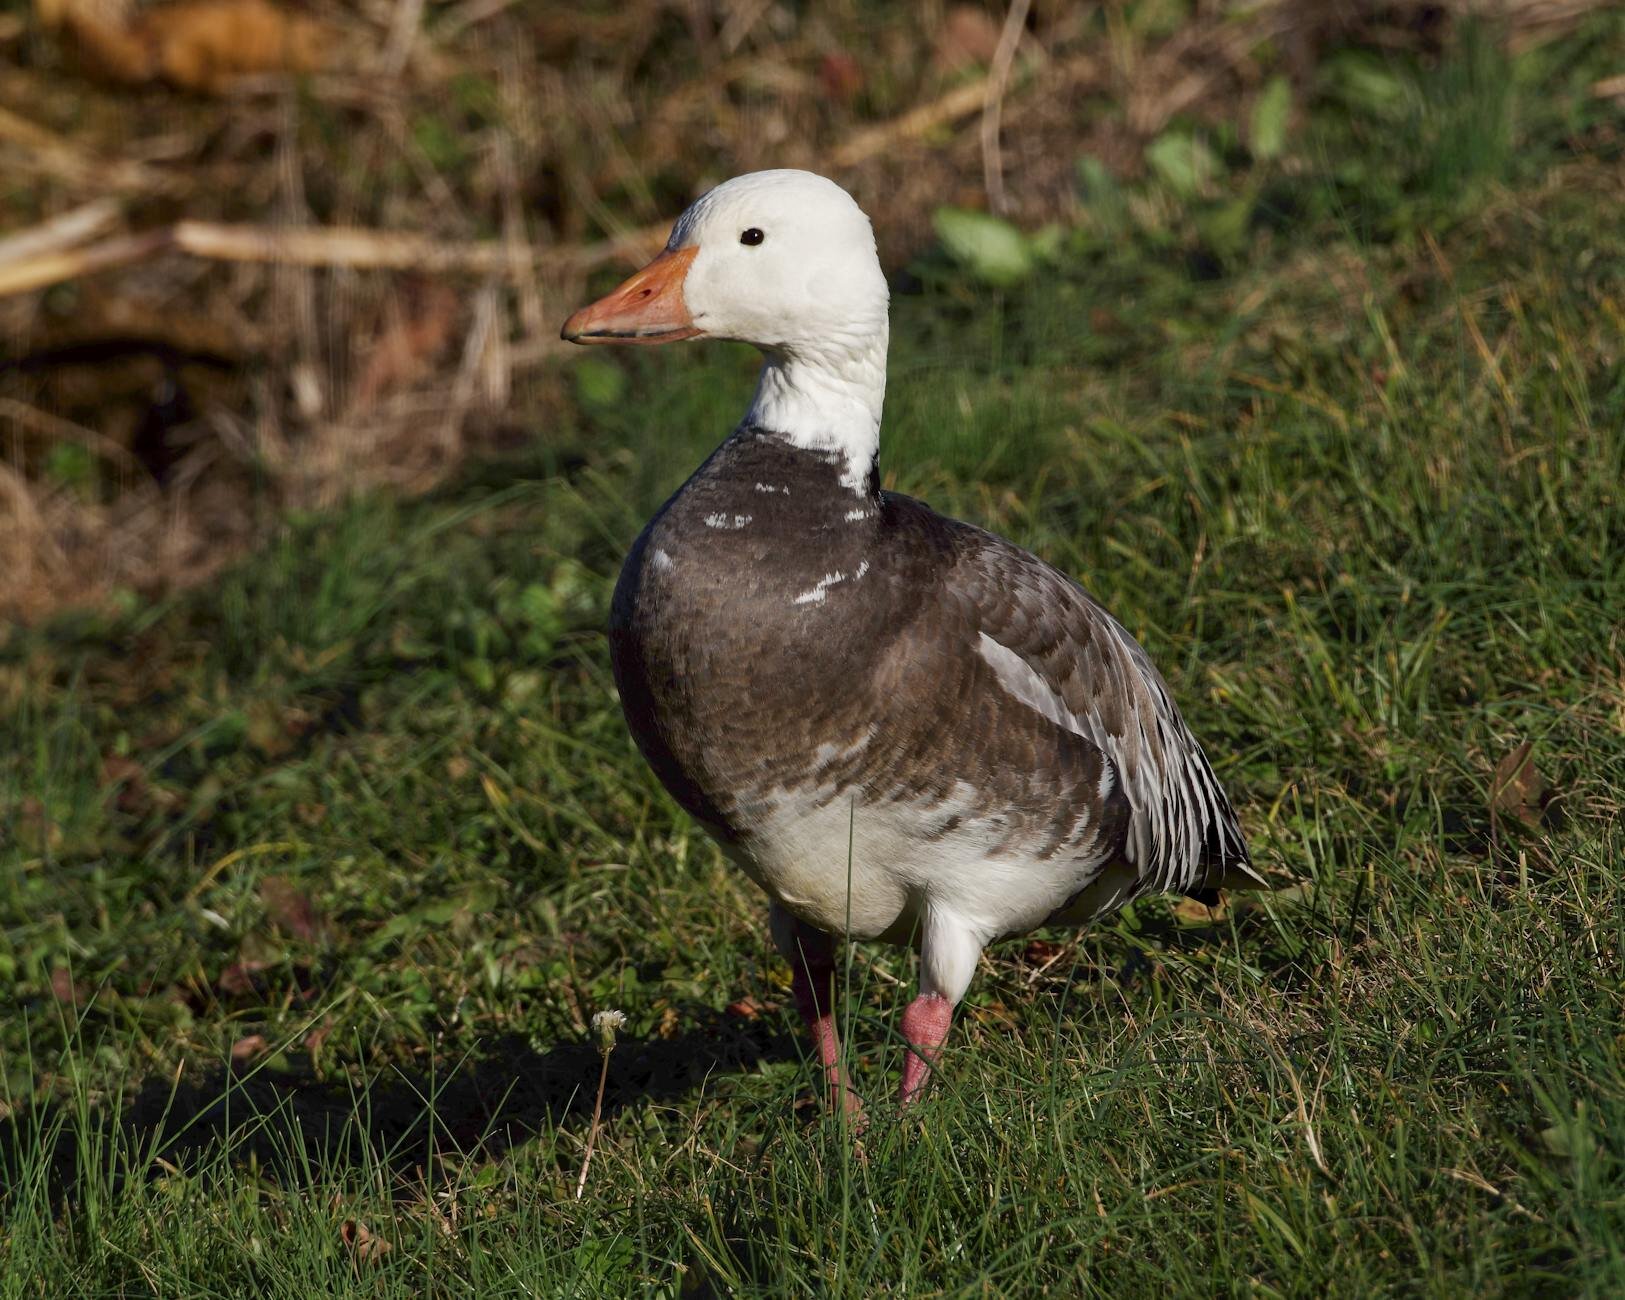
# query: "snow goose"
[[900, 726]]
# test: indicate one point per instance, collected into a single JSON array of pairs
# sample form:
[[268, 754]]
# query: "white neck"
[[827, 398]]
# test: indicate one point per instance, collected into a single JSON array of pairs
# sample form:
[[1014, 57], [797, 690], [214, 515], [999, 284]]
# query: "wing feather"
[[1182, 833]]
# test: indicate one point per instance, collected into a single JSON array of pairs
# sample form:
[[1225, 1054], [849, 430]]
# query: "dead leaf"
[[1300, 893], [238, 978], [840, 76], [128, 780], [1039, 952], [1192, 911], [199, 45], [246, 1048], [1235, 904], [366, 1245], [289, 909], [274, 728], [670, 1023], [68, 991], [35, 829], [99, 32], [746, 1008], [318, 1036], [416, 330], [969, 35], [1519, 790], [207, 44], [310, 814]]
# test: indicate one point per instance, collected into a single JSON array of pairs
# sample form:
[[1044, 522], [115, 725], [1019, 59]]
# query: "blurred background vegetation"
[[1293, 329], [236, 355]]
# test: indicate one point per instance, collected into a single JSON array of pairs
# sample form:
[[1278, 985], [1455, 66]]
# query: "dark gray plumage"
[[780, 640]]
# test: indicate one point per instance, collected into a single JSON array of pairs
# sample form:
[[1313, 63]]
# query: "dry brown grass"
[[212, 389]]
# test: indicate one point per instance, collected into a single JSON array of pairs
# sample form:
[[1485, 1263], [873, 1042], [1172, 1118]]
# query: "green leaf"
[[990, 249], [1046, 242], [1364, 83], [1182, 162], [606, 1260], [1101, 193], [472, 901], [1272, 110], [1153, 18], [440, 143], [599, 383], [1224, 228], [1570, 1139], [481, 673], [70, 465]]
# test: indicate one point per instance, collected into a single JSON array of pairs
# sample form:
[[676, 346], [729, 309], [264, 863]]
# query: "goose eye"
[[751, 237]]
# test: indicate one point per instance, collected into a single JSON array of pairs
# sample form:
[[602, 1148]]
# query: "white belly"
[[869, 869]]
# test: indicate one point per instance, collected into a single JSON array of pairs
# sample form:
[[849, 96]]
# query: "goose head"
[[784, 260]]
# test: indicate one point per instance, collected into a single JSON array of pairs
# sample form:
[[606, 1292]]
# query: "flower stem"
[[592, 1132]]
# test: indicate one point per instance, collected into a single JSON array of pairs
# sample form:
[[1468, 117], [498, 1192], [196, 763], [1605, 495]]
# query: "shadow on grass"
[[298, 1127], [302, 1128]]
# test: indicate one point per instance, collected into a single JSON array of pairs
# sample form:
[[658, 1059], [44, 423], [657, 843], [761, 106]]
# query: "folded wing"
[[1056, 650]]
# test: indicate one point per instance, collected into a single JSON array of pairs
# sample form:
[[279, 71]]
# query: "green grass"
[[1360, 489]]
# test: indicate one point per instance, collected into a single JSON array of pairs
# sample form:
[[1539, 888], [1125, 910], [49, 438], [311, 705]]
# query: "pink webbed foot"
[[813, 990], [926, 1021], [811, 955]]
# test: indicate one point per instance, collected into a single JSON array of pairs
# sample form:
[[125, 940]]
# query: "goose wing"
[[1059, 652]]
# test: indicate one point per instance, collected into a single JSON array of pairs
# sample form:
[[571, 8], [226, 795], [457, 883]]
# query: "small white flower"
[[605, 1023]]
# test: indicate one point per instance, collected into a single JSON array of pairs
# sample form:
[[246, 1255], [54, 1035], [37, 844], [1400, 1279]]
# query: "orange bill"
[[648, 308]]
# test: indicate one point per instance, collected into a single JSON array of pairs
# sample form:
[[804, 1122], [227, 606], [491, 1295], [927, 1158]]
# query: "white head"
[[784, 260]]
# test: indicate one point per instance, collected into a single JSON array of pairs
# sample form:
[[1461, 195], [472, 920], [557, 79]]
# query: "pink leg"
[[925, 1026], [812, 983]]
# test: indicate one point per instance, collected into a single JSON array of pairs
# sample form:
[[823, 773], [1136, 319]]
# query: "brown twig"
[[527, 294], [998, 79], [347, 246], [468, 16], [403, 34], [630, 246], [484, 370], [53, 268], [64, 231], [294, 287], [959, 102], [61, 430], [365, 249], [353, 247], [55, 156]]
